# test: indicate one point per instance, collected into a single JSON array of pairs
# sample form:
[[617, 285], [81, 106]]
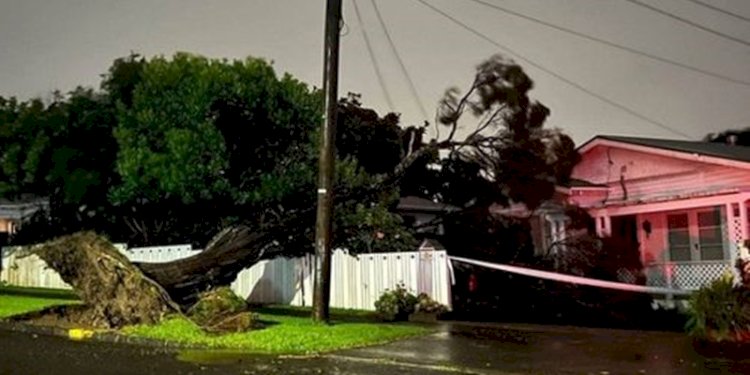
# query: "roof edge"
[[662, 151]]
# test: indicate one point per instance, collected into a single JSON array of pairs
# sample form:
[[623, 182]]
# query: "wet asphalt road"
[[531, 349], [477, 349], [26, 354]]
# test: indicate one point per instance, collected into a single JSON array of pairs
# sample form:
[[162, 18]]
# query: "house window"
[[679, 237], [696, 235], [710, 235]]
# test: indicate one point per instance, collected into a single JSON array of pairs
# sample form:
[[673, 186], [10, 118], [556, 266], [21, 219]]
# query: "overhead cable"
[[612, 44], [689, 22], [720, 10], [555, 74], [374, 61], [410, 82]]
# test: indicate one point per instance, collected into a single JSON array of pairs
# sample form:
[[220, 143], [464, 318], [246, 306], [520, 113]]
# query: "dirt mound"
[[115, 293]]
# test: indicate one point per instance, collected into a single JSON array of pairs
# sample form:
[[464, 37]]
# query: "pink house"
[[683, 202]]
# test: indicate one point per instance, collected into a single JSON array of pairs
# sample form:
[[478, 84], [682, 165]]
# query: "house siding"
[[602, 165], [638, 176], [653, 246]]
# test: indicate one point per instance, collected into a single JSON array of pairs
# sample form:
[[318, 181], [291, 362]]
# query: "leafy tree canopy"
[[740, 137], [202, 129], [507, 155]]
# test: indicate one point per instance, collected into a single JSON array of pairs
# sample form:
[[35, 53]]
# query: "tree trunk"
[[231, 251], [240, 247], [117, 292]]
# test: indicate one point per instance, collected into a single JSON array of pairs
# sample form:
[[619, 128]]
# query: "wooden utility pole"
[[326, 164]]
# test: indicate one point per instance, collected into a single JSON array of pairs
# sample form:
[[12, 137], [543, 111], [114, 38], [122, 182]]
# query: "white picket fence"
[[356, 281]]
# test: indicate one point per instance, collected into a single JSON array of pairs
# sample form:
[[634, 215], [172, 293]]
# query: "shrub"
[[221, 310], [396, 304], [720, 311]]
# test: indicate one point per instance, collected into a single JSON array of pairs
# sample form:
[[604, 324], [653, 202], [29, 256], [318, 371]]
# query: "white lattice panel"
[[735, 234], [690, 276]]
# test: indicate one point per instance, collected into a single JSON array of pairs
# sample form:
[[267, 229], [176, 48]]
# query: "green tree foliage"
[[65, 151], [214, 142], [506, 155], [172, 150], [740, 137], [202, 142], [368, 225], [375, 142], [121, 79], [202, 129], [25, 136]]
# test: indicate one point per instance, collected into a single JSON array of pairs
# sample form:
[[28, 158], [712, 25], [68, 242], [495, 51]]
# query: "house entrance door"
[[697, 235], [625, 231]]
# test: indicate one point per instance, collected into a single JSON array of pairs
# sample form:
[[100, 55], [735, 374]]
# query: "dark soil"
[[71, 316], [732, 350]]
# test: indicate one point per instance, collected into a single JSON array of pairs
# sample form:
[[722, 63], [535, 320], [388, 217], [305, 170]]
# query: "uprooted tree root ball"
[[114, 292]]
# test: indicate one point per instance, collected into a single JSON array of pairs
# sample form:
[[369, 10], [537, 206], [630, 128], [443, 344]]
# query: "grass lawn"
[[288, 330], [16, 300]]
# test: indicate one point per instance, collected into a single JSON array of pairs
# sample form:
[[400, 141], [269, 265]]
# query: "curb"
[[78, 334]]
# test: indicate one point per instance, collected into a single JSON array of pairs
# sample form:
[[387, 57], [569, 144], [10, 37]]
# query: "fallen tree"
[[515, 124], [516, 155], [231, 251]]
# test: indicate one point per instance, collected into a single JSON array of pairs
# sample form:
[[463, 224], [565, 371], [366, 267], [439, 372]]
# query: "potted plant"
[[427, 310]]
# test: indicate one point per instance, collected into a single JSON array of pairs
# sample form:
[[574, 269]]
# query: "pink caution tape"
[[555, 276]]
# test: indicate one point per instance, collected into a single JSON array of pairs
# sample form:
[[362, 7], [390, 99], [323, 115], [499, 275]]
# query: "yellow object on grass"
[[80, 334]]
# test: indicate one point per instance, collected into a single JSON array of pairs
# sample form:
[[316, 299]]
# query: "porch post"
[[605, 223], [731, 230], [743, 221], [736, 232]]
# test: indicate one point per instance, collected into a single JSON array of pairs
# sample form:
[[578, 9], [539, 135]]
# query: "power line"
[[720, 10], [689, 22], [555, 74], [374, 61], [412, 87], [612, 44]]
